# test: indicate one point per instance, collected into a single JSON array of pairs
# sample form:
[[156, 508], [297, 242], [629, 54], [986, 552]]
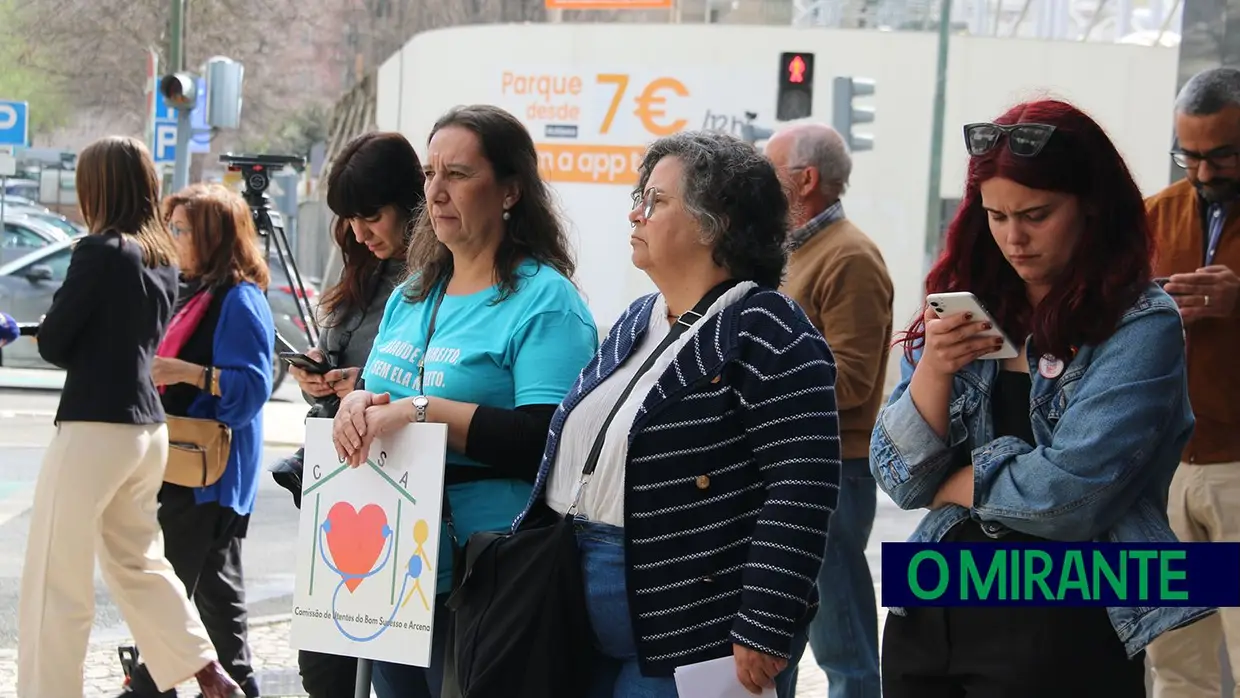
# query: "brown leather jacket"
[[1213, 343]]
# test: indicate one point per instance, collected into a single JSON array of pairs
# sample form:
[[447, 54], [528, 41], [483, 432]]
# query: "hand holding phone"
[[306, 363], [964, 332]]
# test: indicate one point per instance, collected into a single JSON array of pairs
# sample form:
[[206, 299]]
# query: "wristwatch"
[[420, 403]]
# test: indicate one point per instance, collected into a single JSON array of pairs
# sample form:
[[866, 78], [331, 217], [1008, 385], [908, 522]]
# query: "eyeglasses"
[[1025, 140], [646, 200], [1218, 159]]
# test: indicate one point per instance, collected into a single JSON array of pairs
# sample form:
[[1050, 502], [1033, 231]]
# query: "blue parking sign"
[[14, 123], [166, 126]]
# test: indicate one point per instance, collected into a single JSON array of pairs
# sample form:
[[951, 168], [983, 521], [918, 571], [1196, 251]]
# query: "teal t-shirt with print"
[[524, 350]]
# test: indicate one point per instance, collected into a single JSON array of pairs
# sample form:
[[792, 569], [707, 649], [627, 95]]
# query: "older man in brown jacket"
[[837, 274], [1197, 225]]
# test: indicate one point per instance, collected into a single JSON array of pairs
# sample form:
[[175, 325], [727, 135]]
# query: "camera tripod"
[[256, 173]]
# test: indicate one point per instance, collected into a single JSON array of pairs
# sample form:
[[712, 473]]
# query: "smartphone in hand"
[[304, 362], [948, 304]]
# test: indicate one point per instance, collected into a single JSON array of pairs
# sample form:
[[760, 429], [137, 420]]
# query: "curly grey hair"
[[734, 194]]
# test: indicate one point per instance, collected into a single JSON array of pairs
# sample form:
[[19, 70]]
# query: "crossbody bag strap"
[[446, 508], [683, 323]]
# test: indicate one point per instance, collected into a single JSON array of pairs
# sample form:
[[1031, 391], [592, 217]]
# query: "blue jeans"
[[617, 674], [391, 680], [844, 633]]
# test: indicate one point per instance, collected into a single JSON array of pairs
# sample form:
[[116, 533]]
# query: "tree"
[[99, 46], [21, 82], [296, 135]]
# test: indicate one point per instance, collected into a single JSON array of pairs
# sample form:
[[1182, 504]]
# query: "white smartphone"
[[947, 304]]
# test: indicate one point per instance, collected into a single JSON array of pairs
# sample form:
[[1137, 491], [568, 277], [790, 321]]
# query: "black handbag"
[[519, 623]]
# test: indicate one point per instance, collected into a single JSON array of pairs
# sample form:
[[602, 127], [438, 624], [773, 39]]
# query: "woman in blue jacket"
[[1075, 438], [215, 363]]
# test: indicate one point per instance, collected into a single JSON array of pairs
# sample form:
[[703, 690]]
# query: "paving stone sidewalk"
[[274, 660], [276, 664]]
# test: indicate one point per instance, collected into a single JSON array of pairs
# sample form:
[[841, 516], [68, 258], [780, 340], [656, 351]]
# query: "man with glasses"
[[837, 274], [1197, 225]]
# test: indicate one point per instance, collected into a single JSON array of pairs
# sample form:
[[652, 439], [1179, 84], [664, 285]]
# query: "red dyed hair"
[[1112, 260]]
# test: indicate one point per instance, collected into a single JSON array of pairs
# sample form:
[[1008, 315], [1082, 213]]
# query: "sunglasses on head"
[[1025, 140]]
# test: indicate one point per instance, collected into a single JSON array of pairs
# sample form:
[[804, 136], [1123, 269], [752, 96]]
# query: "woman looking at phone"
[[1074, 439], [375, 190]]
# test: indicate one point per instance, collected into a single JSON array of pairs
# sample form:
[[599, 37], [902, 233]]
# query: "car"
[[27, 285], [66, 226], [15, 200], [22, 188], [24, 233]]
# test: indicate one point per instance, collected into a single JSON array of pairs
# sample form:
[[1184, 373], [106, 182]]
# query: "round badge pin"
[[1050, 366]]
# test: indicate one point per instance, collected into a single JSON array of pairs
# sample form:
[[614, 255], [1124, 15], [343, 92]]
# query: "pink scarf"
[[183, 325]]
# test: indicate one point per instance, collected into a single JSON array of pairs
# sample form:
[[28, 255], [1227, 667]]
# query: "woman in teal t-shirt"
[[487, 336]]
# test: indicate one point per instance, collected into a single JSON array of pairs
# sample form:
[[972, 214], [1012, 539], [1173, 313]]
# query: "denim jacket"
[[1109, 429]]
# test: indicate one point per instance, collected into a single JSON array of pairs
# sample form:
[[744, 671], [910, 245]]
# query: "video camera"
[[256, 171]]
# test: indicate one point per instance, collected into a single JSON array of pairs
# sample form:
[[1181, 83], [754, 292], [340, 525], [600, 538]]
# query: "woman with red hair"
[[1074, 439]]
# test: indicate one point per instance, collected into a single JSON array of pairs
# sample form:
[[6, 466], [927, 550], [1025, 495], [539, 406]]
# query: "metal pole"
[[180, 168], [152, 57], [934, 196], [176, 32], [4, 186], [362, 689], [176, 63]]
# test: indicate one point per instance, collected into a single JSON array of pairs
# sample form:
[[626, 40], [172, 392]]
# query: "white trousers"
[[96, 494]]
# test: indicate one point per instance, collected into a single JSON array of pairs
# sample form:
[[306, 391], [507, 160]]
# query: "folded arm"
[[547, 353], [908, 457], [1127, 404]]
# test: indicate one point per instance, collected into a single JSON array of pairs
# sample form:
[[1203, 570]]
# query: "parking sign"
[[14, 123], [166, 126]]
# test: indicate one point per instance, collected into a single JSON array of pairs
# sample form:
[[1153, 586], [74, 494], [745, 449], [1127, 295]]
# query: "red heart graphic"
[[355, 539]]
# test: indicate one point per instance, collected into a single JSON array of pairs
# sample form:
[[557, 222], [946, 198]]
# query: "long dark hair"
[[533, 229], [1110, 264], [374, 170]]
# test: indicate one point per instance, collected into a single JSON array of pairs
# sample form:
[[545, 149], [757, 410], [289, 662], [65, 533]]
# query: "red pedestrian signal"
[[796, 70], [796, 87]]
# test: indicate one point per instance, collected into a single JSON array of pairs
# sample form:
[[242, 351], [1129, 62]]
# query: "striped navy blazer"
[[731, 557]]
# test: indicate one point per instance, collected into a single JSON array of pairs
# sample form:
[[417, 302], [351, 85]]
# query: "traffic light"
[[845, 115], [796, 86], [180, 90]]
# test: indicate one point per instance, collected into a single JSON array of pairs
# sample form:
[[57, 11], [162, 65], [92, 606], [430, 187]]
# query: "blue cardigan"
[[242, 349], [731, 557]]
